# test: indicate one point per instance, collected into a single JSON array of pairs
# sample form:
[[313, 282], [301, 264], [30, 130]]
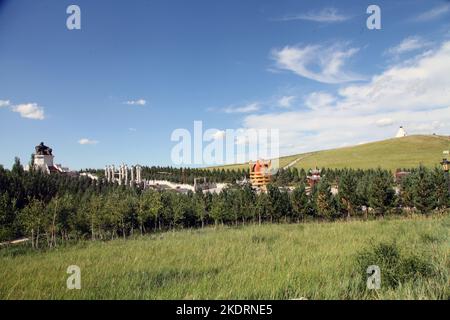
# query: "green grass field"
[[388, 154], [286, 261]]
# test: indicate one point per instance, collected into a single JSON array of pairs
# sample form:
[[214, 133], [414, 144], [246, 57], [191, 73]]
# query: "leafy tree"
[[149, 207], [59, 211], [96, 214], [199, 207], [7, 217], [33, 218], [217, 207]]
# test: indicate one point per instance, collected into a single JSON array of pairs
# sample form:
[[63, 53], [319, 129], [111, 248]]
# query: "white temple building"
[[401, 133]]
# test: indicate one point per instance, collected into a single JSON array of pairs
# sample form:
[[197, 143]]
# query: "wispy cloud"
[[326, 15], [139, 102], [286, 101], [4, 103], [252, 107], [409, 44], [85, 141], [317, 62], [29, 111], [434, 13]]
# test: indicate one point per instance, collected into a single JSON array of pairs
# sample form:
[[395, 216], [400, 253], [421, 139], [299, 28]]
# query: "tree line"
[[53, 209], [186, 175]]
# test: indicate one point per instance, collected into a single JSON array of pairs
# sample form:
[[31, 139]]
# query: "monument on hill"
[[401, 133], [43, 158]]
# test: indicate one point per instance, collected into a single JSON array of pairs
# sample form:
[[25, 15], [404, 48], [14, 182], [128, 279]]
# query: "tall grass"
[[311, 260]]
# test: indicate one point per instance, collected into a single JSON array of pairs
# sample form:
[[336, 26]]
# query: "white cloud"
[[252, 107], [326, 15], [409, 44], [85, 141], [317, 62], [30, 111], [218, 135], [139, 102], [415, 94], [385, 122], [422, 82], [4, 103], [319, 100], [286, 101], [132, 129], [434, 13]]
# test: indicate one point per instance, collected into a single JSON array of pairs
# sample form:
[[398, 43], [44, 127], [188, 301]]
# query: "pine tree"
[[299, 200], [217, 206], [325, 204], [423, 190], [362, 192], [381, 193], [442, 196], [347, 191], [262, 206], [407, 192]]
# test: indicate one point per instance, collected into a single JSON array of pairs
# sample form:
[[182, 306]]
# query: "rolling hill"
[[407, 152]]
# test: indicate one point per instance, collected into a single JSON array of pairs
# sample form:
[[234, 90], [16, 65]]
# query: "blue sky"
[[115, 90]]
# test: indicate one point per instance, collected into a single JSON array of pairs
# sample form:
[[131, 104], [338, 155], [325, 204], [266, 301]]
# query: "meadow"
[[312, 260]]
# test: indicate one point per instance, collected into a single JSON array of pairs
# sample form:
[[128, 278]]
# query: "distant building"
[[260, 174], [401, 133], [314, 177], [89, 175], [42, 160], [400, 175]]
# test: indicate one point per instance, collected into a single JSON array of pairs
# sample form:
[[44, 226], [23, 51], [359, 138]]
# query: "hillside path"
[[296, 160]]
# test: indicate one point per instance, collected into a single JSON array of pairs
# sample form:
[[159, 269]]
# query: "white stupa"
[[401, 133]]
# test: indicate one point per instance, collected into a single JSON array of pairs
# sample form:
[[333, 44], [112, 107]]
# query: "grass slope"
[[312, 260], [389, 154]]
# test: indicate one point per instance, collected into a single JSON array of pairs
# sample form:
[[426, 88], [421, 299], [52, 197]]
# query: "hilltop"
[[406, 152]]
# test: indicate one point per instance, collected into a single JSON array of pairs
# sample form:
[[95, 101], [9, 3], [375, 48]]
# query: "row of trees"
[[50, 209], [289, 176], [186, 175]]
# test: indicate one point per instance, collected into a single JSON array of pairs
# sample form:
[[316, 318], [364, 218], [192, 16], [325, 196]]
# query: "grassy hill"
[[390, 154], [290, 261]]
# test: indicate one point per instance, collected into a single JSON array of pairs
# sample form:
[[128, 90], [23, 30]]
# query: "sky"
[[115, 90]]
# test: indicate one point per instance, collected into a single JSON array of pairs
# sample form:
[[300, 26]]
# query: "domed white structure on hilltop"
[[401, 133]]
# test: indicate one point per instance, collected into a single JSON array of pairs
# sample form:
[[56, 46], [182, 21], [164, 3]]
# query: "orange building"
[[260, 173]]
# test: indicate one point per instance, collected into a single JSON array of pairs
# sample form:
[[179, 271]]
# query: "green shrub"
[[396, 267]]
